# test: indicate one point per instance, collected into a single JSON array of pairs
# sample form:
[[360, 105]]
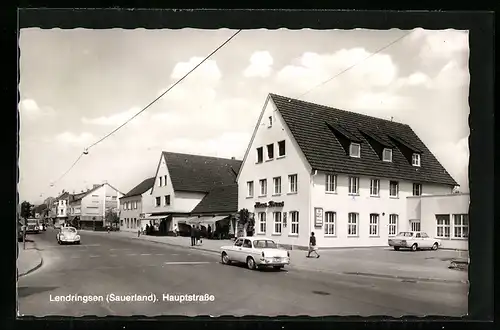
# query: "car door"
[[235, 253], [246, 250], [426, 241]]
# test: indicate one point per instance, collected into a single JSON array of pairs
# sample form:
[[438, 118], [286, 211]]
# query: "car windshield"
[[405, 234], [32, 221], [265, 244], [69, 230]]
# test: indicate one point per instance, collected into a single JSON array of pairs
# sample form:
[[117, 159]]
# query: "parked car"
[[414, 240], [68, 235], [256, 252], [33, 226]]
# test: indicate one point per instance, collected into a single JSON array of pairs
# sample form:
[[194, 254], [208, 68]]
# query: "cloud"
[[209, 70], [454, 156], [72, 139], [115, 119], [441, 44], [30, 109], [260, 65]]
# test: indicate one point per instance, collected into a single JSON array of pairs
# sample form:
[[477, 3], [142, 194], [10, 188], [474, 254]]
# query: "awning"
[[206, 220], [155, 217]]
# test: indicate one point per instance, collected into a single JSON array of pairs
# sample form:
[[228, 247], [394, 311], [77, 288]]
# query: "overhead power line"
[[146, 107], [354, 65]]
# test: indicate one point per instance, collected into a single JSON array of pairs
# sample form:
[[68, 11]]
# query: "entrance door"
[[414, 225]]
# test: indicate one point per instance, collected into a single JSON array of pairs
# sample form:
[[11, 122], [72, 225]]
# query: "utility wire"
[[352, 66], [85, 152]]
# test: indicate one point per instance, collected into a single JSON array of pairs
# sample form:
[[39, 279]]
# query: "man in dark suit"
[[193, 235]]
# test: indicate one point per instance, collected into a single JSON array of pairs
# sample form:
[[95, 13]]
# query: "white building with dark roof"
[[342, 175], [135, 205]]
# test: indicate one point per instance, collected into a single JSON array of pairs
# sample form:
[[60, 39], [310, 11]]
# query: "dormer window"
[[355, 150], [387, 155], [270, 123], [415, 160]]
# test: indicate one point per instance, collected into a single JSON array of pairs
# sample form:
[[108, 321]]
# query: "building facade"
[[88, 209], [182, 181], [135, 205], [344, 176]]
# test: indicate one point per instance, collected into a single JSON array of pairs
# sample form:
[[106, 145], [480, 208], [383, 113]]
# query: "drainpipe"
[[311, 222]]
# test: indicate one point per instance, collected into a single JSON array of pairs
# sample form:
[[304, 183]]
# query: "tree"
[[26, 210], [112, 216], [247, 222]]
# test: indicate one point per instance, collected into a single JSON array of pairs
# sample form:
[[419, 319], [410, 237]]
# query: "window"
[[128, 223], [250, 189], [270, 151], [330, 223], [415, 225], [260, 155], [247, 244], [121, 223], [352, 224], [415, 160], [355, 150], [161, 181], [424, 235], [167, 200], [158, 201], [95, 195], [239, 242], [387, 155], [417, 189], [294, 222], [353, 185], [292, 183], [270, 123], [124, 206], [135, 222], [277, 185], [443, 225], [393, 224], [393, 189], [113, 198], [262, 222], [374, 187], [374, 224], [277, 222], [331, 183], [164, 180], [281, 148], [135, 205], [263, 187], [460, 225]]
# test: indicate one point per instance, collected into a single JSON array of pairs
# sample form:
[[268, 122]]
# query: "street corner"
[[29, 259]]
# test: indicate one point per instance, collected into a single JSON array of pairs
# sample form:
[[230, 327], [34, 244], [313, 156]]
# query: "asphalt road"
[[104, 265]]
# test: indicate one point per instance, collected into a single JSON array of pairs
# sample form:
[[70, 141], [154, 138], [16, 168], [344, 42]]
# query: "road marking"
[[119, 249], [113, 255], [174, 254], [186, 262], [132, 254], [94, 256], [145, 254], [159, 254], [75, 257]]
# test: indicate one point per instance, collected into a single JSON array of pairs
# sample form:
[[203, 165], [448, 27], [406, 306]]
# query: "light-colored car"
[[255, 252], [68, 235], [33, 226], [418, 240]]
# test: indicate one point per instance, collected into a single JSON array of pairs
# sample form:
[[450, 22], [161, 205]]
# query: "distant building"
[[135, 205], [347, 177], [88, 209]]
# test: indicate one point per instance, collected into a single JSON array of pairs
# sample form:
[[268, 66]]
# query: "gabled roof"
[[141, 188], [196, 173], [223, 199], [79, 196], [311, 126]]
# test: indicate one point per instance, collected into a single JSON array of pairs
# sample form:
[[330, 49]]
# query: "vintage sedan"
[[68, 235], [255, 252], [414, 240]]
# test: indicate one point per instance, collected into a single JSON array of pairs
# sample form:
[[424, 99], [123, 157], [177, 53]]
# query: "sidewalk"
[[29, 260], [374, 262]]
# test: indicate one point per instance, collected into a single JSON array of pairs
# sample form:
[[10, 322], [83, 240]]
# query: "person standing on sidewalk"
[[193, 235], [312, 246]]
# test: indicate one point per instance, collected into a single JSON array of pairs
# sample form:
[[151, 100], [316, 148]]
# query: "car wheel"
[[59, 242], [78, 243], [225, 259], [435, 246], [251, 263], [414, 247], [396, 248]]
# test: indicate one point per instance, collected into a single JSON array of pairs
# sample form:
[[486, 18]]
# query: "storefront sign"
[[269, 204], [318, 217]]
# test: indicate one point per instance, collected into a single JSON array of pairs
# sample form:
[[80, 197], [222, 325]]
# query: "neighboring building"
[[60, 209], [89, 208], [182, 181], [135, 205], [443, 216], [343, 175]]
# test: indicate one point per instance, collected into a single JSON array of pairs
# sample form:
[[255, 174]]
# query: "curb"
[[40, 264], [406, 278]]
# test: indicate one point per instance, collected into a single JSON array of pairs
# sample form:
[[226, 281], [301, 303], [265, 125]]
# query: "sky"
[[78, 85]]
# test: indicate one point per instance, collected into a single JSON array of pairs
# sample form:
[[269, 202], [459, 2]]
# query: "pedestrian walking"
[[312, 246], [139, 232], [193, 235], [176, 230]]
